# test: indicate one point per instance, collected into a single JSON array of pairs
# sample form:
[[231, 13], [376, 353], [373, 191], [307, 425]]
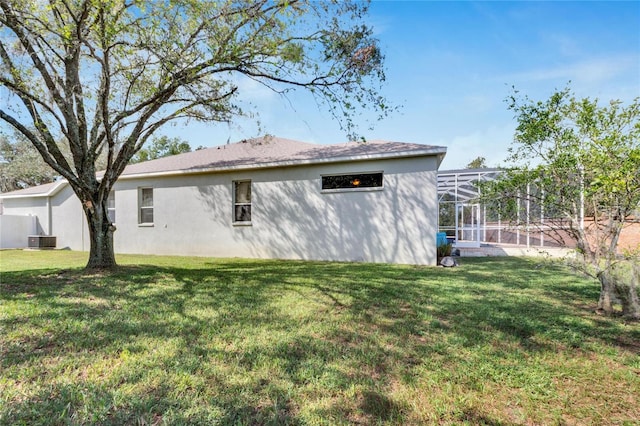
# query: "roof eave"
[[51, 192], [439, 152]]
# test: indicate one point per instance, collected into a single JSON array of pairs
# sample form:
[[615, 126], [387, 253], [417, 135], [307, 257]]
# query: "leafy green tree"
[[477, 163], [579, 161], [21, 165], [161, 147], [106, 74]]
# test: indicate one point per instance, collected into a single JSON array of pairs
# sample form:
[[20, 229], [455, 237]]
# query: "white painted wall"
[[291, 217], [33, 206], [59, 215], [15, 230], [68, 222]]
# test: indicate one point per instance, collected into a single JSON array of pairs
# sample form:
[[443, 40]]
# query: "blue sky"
[[450, 65]]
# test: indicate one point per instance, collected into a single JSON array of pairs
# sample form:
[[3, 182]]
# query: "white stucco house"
[[260, 198]]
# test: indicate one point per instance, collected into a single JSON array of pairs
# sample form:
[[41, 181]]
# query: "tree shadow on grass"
[[247, 359]]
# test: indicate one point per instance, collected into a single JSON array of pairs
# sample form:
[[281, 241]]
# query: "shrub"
[[444, 249]]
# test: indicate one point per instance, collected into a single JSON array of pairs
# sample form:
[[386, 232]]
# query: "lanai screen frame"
[[458, 188]]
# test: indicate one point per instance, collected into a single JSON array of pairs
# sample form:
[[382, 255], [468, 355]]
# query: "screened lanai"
[[469, 223], [461, 216]]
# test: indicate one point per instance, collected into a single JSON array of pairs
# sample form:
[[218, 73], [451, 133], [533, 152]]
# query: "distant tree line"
[[22, 166]]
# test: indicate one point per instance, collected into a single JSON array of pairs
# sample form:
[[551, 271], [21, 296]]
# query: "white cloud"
[[589, 71], [491, 143], [565, 45], [479, 103]]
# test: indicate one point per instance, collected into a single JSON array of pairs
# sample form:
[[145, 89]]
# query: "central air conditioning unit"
[[42, 242]]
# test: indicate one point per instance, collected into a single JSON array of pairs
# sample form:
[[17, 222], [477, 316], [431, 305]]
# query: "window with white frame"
[[242, 201], [111, 207], [145, 203]]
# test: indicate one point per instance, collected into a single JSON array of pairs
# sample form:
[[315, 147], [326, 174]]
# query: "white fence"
[[15, 230]]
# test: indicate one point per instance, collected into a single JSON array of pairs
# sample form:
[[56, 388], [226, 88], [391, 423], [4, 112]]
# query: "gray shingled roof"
[[261, 152], [270, 151], [40, 190]]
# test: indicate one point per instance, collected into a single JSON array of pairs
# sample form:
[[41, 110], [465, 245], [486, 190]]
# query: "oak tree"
[[106, 74]]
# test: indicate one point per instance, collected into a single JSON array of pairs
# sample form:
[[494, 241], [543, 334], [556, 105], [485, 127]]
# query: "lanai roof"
[[461, 185]]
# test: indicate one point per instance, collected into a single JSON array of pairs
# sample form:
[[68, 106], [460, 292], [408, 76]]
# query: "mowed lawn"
[[173, 340]]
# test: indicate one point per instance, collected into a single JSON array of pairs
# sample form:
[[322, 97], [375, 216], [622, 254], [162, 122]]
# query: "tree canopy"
[[105, 75], [578, 162], [477, 163], [163, 146], [21, 166]]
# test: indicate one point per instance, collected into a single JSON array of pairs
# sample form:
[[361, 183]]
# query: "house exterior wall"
[[59, 215], [68, 223], [30, 207], [292, 218], [14, 230]]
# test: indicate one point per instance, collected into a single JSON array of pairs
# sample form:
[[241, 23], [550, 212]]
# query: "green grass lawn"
[[171, 340]]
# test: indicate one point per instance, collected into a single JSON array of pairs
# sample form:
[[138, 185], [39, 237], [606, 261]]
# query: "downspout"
[[49, 217]]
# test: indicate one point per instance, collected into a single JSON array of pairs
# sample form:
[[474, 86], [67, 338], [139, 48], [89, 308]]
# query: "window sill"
[[241, 224], [145, 225]]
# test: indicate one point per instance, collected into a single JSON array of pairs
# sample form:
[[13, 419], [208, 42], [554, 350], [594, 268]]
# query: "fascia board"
[[51, 192], [436, 151]]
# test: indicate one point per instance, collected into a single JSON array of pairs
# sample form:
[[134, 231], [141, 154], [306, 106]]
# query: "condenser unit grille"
[[42, 241]]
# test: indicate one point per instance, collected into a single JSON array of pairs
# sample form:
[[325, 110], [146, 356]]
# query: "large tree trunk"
[[101, 254], [619, 284], [607, 292], [628, 293]]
